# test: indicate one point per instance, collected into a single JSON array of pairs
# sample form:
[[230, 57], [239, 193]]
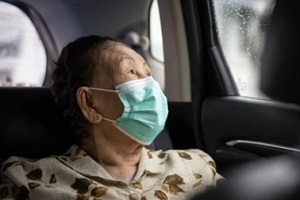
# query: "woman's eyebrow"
[[128, 57], [123, 58], [131, 59]]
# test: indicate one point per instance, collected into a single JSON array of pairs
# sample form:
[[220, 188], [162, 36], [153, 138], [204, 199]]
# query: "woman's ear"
[[84, 101]]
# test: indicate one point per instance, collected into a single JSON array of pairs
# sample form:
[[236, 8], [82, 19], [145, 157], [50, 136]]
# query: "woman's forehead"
[[126, 55]]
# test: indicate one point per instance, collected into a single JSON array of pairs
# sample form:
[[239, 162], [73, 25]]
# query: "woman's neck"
[[120, 160]]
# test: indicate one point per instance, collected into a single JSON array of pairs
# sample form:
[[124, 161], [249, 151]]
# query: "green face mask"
[[145, 109]]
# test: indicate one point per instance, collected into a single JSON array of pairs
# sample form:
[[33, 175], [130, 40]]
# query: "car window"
[[23, 57], [156, 42], [241, 27], [156, 58]]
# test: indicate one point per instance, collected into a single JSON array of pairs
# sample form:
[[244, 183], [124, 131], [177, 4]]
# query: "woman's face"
[[129, 66]]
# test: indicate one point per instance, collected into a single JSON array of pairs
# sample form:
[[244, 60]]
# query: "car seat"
[[32, 125]]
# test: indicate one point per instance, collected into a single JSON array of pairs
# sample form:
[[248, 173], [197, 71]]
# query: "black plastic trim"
[[195, 49], [262, 148], [240, 118]]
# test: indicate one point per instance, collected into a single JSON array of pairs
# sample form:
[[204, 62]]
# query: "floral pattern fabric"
[[161, 175]]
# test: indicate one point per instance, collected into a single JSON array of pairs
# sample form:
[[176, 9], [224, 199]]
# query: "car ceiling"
[[85, 17], [69, 19]]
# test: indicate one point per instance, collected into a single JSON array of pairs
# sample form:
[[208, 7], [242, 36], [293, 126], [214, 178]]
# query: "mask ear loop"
[[105, 90], [109, 120]]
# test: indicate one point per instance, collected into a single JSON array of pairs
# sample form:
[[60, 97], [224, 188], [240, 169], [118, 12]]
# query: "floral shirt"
[[172, 174]]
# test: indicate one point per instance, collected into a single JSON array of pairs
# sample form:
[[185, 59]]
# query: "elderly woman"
[[115, 107]]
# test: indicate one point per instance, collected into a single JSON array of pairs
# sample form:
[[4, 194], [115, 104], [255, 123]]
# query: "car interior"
[[210, 107]]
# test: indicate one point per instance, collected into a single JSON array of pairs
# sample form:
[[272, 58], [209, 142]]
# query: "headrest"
[[280, 75], [31, 124], [133, 39]]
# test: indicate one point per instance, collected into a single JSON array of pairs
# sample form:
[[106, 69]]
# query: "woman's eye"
[[131, 71]]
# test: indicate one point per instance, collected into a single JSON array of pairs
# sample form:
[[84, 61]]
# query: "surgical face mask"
[[145, 109]]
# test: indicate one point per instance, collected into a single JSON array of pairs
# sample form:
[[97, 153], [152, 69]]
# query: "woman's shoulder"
[[44, 161], [15, 162], [193, 164], [31, 163], [185, 154], [190, 157]]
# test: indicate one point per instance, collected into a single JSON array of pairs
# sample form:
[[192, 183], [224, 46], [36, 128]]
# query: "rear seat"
[[32, 126]]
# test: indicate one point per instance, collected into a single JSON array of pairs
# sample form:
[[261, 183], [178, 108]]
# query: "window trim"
[[226, 83], [177, 63]]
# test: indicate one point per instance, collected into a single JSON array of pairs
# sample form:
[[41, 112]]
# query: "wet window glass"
[[22, 54], [241, 27]]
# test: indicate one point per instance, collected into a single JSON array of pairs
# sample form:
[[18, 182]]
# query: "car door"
[[227, 115]]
